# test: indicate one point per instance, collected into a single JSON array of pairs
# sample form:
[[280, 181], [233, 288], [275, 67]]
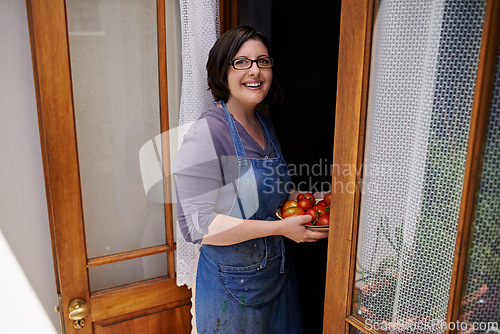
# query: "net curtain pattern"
[[423, 74], [199, 31]]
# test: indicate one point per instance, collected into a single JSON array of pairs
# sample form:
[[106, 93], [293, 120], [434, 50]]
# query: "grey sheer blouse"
[[206, 169]]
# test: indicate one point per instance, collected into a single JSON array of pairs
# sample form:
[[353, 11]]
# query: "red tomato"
[[323, 220], [306, 204], [321, 203], [300, 197], [310, 197], [321, 210], [289, 204], [311, 212], [293, 211], [327, 198]]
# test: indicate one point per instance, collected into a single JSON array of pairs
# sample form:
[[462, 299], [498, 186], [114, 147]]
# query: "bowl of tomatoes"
[[307, 204]]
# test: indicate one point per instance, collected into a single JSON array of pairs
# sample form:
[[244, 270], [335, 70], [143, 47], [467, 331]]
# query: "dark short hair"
[[224, 51]]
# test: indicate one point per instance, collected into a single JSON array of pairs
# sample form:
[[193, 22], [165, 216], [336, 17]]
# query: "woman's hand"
[[293, 228]]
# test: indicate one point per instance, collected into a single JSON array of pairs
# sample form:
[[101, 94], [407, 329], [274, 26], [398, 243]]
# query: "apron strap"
[[268, 134], [240, 205], [240, 151]]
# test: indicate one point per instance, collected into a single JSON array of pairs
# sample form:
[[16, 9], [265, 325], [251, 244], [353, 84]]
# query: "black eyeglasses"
[[245, 63]]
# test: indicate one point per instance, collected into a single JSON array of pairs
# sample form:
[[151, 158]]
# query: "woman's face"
[[249, 87]]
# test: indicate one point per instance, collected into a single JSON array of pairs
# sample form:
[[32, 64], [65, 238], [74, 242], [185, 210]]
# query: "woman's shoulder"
[[208, 122], [198, 150], [211, 129], [218, 125], [216, 119]]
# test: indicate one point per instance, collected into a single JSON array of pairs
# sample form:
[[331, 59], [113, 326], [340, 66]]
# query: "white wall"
[[27, 284]]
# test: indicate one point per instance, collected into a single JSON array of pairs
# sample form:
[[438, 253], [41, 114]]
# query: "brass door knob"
[[78, 309]]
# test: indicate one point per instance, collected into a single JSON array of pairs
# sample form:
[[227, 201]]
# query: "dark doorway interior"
[[305, 38]]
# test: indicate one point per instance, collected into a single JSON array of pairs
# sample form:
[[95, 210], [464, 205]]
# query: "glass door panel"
[[124, 272], [114, 59], [481, 298]]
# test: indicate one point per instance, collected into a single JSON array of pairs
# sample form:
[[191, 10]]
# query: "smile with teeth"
[[252, 84]]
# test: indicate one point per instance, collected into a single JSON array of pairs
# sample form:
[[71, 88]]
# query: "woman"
[[230, 179]]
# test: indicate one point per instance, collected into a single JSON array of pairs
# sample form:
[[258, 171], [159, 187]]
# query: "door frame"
[[357, 24], [356, 28], [228, 13], [54, 96]]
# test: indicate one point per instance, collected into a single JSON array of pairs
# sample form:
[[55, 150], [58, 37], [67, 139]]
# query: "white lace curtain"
[[199, 31], [423, 74]]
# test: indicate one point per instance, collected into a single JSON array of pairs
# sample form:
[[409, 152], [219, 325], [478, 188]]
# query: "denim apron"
[[249, 287]]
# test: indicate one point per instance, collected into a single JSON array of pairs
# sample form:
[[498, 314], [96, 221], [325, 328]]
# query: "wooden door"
[[111, 279], [357, 25]]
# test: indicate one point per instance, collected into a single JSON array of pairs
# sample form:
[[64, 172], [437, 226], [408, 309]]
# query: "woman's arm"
[[226, 230]]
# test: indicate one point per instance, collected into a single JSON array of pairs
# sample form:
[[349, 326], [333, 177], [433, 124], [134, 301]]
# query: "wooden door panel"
[[51, 70], [140, 296], [357, 24], [171, 321]]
